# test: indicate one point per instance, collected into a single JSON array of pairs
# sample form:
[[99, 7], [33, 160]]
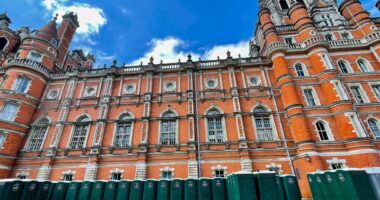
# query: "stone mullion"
[[146, 113], [190, 112]]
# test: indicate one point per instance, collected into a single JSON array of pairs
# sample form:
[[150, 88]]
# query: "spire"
[[49, 31], [5, 17]]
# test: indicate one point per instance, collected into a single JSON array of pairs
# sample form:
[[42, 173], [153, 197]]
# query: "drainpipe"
[[280, 122], [198, 140]]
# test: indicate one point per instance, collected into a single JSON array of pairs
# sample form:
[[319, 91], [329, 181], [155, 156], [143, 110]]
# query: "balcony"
[[26, 62]]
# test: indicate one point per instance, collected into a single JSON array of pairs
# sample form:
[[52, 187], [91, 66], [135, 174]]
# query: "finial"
[[141, 63], [218, 58], [114, 63], [179, 60], [189, 57], [151, 60], [56, 17], [228, 54], [239, 55], [161, 62]]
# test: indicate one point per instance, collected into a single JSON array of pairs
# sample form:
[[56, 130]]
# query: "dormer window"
[[283, 4], [329, 37], [289, 40], [35, 56]]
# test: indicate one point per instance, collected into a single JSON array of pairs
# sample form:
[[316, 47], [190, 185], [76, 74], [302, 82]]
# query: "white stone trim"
[[273, 124], [219, 167], [304, 68], [167, 169], [361, 90], [177, 126], [274, 165], [326, 60], [73, 128], [215, 82], [167, 89], [125, 88], [117, 171], [68, 172], [371, 84], [348, 65], [49, 94], [328, 130], [357, 126], [213, 106], [366, 62], [259, 82], [87, 93], [314, 93], [336, 161], [338, 87]]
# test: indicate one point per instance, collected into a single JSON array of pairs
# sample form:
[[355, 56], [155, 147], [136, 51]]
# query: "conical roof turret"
[[49, 31]]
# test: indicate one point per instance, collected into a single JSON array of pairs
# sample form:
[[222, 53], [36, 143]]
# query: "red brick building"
[[307, 99]]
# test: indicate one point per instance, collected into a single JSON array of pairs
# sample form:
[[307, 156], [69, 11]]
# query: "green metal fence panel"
[[267, 186], [60, 191], [204, 189], [123, 190], [85, 190], [328, 192], [12, 190], [110, 190], [291, 189], [334, 186], [314, 187], [73, 190], [241, 186], [374, 179], [29, 190], [356, 184], [190, 187], [177, 189], [219, 189], [163, 190], [150, 190], [137, 189], [43, 190], [97, 190]]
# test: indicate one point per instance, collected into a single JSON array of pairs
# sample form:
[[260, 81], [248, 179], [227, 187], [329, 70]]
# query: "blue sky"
[[133, 30]]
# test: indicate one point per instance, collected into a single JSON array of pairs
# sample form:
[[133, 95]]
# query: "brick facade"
[[306, 99]]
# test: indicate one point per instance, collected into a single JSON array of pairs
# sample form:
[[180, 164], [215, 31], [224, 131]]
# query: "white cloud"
[[91, 19], [167, 49]]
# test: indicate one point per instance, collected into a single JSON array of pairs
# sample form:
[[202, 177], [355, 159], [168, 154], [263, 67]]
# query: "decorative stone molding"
[[335, 160], [141, 171], [68, 172], [167, 169], [275, 167], [221, 168], [44, 173], [117, 171], [246, 165], [192, 169], [91, 171]]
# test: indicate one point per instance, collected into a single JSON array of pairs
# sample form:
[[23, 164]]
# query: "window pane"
[[363, 66], [376, 90], [373, 124], [343, 67], [357, 94], [8, 112], [168, 132], [123, 133], [310, 97], [79, 135], [215, 130], [322, 131]]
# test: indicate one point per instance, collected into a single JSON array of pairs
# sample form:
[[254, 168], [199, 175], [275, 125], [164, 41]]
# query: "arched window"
[[123, 131], [322, 131], [343, 67], [38, 135], [81, 128], [168, 128], [300, 70], [283, 4], [215, 126], [3, 43], [374, 125], [263, 124], [363, 65]]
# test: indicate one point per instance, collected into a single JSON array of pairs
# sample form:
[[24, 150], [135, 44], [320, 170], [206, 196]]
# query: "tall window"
[[327, 61], [283, 4], [81, 127], [310, 98], [168, 128], [376, 90], [343, 67], [263, 124], [340, 90], [123, 131], [215, 126], [3, 43], [363, 65], [300, 70], [9, 111], [322, 131], [21, 85], [38, 135], [35, 56], [358, 95], [2, 139], [374, 126]]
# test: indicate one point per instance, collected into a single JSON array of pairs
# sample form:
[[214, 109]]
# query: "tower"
[[66, 33]]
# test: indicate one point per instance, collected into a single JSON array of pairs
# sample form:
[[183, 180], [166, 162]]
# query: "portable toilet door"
[[137, 188], [163, 189], [110, 190], [204, 189], [30, 190], [267, 186], [60, 191], [123, 190], [315, 191], [73, 191], [191, 189], [176, 189], [85, 190], [12, 190], [97, 190], [291, 188], [43, 190], [150, 190], [219, 189]]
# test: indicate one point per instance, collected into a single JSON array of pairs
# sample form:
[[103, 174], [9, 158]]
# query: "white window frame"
[[219, 168], [327, 61], [32, 133], [348, 66], [3, 136], [131, 120], [304, 70], [14, 115], [32, 58], [116, 171], [370, 127], [160, 127], [223, 124], [16, 86], [361, 91], [356, 125], [251, 84], [371, 85], [333, 161], [88, 94], [68, 173], [328, 130], [73, 129], [126, 86], [215, 82], [167, 170], [341, 92], [167, 89], [367, 63], [315, 96], [271, 121]]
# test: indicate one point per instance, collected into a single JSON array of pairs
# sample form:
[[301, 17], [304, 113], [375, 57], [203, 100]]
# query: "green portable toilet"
[[334, 186], [291, 189], [322, 183], [29, 190], [12, 190], [204, 189], [43, 190], [85, 190], [219, 190], [60, 191], [2, 185], [267, 186], [137, 188], [110, 190], [97, 190], [314, 187], [190, 187], [150, 190], [355, 183], [176, 189], [51, 190], [374, 179], [123, 190], [241, 186], [73, 190], [280, 188], [163, 189]]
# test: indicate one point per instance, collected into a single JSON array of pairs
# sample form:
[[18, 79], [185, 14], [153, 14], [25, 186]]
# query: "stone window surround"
[[357, 126], [348, 65], [166, 83], [361, 90], [73, 129], [315, 96], [27, 87], [215, 82], [341, 92], [160, 124], [132, 127], [273, 124], [22, 173], [366, 62], [86, 92], [223, 122], [58, 90], [117, 171], [328, 129], [128, 85], [219, 167], [371, 84], [27, 143], [336, 161], [304, 69], [167, 169], [258, 80], [68, 172], [274, 165], [30, 53], [369, 127]]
